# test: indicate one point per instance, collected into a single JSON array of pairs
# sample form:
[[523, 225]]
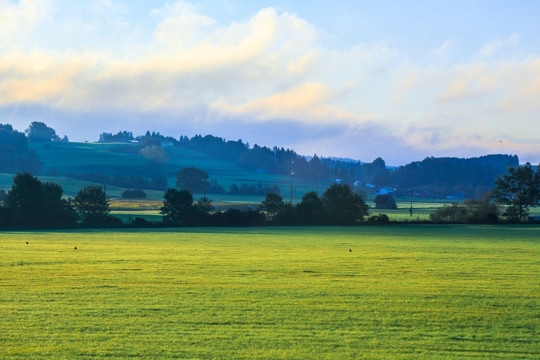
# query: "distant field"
[[404, 292], [72, 186], [149, 209]]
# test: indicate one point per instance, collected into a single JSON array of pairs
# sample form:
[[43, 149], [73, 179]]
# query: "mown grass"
[[404, 292]]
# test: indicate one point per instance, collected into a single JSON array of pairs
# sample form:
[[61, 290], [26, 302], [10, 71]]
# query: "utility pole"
[[292, 174], [291, 194], [410, 209]]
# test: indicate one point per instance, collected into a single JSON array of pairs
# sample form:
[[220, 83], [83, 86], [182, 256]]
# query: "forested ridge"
[[431, 177]]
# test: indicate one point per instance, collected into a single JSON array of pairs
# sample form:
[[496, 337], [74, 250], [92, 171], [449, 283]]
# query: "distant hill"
[[471, 177], [151, 161], [115, 163]]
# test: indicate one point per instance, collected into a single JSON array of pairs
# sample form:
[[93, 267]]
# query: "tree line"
[[338, 205], [470, 177], [517, 191], [31, 203]]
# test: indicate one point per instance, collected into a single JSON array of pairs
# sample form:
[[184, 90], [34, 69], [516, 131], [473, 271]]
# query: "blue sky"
[[361, 79]]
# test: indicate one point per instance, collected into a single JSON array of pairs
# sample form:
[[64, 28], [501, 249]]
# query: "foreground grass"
[[433, 292]]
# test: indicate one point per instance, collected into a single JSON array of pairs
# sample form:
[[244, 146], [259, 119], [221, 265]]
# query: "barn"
[[385, 202]]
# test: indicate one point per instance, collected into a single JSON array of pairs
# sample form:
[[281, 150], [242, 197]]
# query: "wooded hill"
[[151, 162]]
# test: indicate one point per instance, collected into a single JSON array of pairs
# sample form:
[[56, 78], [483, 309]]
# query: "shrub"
[[379, 219], [471, 211], [134, 194]]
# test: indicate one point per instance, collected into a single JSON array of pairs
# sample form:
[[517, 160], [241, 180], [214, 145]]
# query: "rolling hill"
[[64, 161]]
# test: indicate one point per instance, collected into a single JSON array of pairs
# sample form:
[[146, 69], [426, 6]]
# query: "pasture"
[[402, 292]]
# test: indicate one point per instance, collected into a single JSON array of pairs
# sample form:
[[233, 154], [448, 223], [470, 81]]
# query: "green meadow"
[[90, 157], [402, 292]]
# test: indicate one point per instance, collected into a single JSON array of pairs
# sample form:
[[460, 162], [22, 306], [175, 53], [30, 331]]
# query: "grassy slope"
[[95, 157], [432, 292]]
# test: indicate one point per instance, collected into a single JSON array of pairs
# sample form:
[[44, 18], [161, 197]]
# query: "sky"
[[401, 80]]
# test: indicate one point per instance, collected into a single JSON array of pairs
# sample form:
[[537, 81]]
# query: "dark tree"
[[34, 204], [133, 194], [518, 190], [14, 154], [235, 217], [204, 205], [25, 200], [6, 217], [92, 205], [192, 179], [177, 206], [58, 211], [342, 206], [150, 140], [310, 209], [39, 131], [121, 136], [215, 188], [272, 205]]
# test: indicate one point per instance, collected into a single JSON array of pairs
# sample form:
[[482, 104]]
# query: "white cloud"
[[444, 51], [489, 49], [254, 57], [307, 102], [181, 26], [19, 20]]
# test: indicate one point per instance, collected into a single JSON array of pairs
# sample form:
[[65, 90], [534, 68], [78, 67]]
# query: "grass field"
[[404, 292]]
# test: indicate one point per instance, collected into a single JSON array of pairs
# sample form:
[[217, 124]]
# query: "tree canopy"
[[39, 131], [518, 190], [342, 206], [177, 206], [92, 204], [33, 204], [14, 153], [192, 179], [272, 205]]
